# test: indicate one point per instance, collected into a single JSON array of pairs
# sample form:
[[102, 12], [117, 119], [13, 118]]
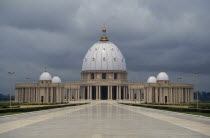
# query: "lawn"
[[203, 108], [25, 107]]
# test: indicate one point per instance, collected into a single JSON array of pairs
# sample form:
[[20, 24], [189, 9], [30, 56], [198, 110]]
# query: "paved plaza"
[[104, 119]]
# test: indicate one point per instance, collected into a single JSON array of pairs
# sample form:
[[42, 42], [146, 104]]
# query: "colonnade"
[[149, 94], [97, 92], [168, 95], [39, 94]]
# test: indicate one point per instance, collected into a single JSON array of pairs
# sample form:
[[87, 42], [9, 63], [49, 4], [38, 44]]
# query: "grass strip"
[[9, 111], [194, 111]]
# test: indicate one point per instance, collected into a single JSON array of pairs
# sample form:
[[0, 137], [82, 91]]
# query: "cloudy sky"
[[153, 35]]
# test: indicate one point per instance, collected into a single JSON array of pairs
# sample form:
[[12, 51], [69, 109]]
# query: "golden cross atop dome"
[[104, 38], [103, 29]]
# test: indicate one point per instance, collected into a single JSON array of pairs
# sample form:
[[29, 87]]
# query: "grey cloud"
[[153, 36]]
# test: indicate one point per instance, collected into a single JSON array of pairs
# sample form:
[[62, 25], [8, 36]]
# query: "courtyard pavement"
[[104, 119]]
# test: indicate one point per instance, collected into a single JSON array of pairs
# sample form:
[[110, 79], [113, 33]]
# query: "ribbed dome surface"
[[45, 76], [152, 79], [56, 79], [162, 76], [104, 56]]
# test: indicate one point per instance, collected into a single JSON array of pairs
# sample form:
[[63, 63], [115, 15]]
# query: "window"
[[103, 75], [115, 76], [92, 76]]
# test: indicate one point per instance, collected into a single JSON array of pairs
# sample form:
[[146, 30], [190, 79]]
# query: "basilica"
[[104, 77]]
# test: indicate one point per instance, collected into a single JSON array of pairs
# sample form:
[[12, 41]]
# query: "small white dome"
[[152, 79], [56, 79], [162, 76], [45, 76]]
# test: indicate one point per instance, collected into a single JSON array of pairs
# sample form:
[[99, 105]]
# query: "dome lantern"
[[104, 37]]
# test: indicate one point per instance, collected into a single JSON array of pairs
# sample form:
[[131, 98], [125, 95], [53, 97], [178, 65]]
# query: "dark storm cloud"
[[153, 36]]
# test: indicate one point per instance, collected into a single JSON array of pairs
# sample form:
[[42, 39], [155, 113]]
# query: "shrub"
[[35, 108], [172, 108]]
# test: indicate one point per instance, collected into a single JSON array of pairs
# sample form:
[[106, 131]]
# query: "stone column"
[[137, 94], [88, 92], [161, 95], [108, 92], [130, 93], [77, 91], [96, 92], [29, 96], [70, 94], [119, 92], [50, 95], [99, 92], [75, 94], [35, 99], [59, 95], [83, 93], [179, 95], [47, 95], [169, 95], [145, 93], [126, 93], [186, 95], [156, 95], [182, 95], [67, 95], [63, 91], [78, 94], [111, 93], [140, 95], [123, 92]]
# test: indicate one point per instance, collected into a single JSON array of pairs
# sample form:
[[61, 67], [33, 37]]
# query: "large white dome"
[[45, 76], [162, 76], [56, 79], [104, 55], [152, 79]]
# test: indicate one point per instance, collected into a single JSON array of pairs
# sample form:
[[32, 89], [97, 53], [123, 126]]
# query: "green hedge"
[[200, 105], [172, 108], [36, 108]]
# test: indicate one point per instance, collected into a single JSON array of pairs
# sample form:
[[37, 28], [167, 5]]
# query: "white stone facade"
[[104, 77]]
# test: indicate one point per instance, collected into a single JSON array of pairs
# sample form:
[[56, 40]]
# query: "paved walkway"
[[104, 119]]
